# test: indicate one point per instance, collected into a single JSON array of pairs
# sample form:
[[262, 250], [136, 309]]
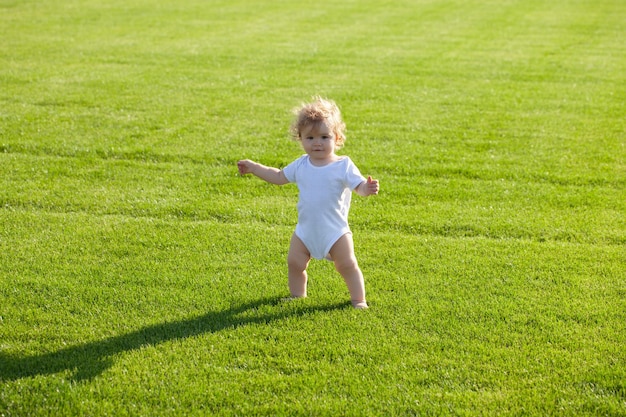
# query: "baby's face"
[[318, 141]]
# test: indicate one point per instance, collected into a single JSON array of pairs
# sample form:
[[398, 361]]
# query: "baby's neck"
[[326, 161]]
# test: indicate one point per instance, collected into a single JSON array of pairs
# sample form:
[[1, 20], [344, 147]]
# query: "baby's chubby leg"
[[297, 262], [346, 264]]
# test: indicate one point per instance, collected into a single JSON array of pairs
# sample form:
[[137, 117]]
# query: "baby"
[[325, 183]]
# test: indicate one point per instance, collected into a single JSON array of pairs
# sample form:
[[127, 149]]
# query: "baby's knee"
[[346, 265], [297, 262]]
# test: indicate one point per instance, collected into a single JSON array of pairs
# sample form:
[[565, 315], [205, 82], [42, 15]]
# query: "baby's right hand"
[[244, 166]]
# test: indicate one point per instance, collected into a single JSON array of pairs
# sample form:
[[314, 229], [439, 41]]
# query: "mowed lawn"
[[141, 276]]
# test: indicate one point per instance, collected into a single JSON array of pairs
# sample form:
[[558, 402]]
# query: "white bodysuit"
[[324, 201]]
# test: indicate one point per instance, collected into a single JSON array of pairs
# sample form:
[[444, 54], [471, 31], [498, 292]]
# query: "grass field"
[[140, 276]]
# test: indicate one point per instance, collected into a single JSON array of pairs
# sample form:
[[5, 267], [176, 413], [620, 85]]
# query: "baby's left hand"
[[371, 186]]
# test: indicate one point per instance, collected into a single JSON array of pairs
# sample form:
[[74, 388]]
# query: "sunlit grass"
[[139, 275]]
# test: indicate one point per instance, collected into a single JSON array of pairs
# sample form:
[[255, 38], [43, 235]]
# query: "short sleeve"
[[291, 170], [353, 175]]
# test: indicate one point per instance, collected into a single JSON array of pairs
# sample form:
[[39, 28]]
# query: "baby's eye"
[[325, 137]]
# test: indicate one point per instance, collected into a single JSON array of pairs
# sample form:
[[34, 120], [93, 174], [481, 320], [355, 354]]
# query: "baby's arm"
[[269, 174], [367, 188]]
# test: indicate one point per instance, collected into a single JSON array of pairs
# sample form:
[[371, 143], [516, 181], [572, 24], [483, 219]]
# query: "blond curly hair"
[[319, 110]]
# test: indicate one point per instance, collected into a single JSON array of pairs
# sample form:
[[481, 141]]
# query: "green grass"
[[140, 276]]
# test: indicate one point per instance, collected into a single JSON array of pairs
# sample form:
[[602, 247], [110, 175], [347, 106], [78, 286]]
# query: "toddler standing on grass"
[[325, 182]]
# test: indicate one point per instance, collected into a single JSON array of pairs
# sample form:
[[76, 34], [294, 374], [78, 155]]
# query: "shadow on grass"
[[91, 359]]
